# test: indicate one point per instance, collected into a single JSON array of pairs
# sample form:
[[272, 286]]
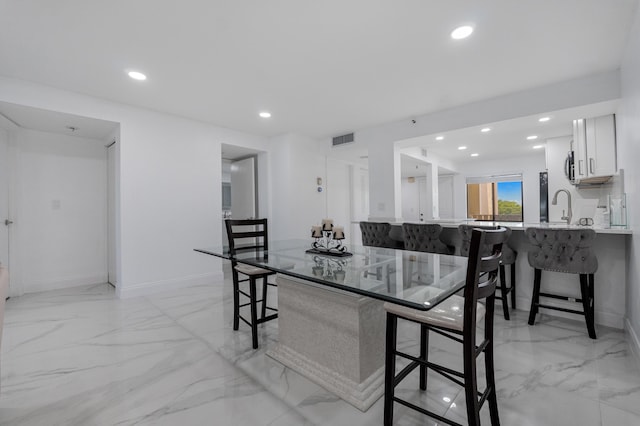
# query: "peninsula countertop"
[[520, 226]]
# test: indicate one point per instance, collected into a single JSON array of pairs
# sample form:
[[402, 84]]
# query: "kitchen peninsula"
[[610, 249]]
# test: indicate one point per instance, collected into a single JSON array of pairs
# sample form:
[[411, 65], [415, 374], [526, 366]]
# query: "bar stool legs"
[[468, 378], [513, 286], [587, 299], [390, 368], [535, 300], [505, 291], [586, 288]]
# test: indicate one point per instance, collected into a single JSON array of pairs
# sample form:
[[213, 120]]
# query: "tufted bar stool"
[[509, 256], [424, 237], [568, 251], [377, 234]]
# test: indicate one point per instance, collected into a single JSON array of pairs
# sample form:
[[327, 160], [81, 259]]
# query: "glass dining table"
[[414, 279], [331, 319]]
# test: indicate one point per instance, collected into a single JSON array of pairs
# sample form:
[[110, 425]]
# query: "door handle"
[[580, 168], [8, 222], [591, 167]]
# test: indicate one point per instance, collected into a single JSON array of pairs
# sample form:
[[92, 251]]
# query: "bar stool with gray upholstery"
[[377, 234], [455, 318], [509, 256], [424, 237], [568, 251]]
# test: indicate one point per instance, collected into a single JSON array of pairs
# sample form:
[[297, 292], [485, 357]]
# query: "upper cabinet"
[[594, 146]]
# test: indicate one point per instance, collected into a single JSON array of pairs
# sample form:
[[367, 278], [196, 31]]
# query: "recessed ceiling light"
[[461, 32], [475, 154], [137, 75], [538, 146], [265, 114], [532, 137], [485, 130], [543, 119], [462, 147], [439, 138]]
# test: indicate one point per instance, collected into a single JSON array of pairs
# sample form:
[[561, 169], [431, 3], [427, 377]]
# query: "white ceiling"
[[506, 139], [57, 122], [321, 68]]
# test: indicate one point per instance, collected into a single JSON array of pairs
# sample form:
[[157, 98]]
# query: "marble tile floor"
[[83, 357]]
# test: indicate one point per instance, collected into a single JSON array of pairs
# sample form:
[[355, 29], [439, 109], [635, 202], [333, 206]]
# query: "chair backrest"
[[376, 234], [482, 272], [562, 250], [424, 237], [508, 254], [247, 235]]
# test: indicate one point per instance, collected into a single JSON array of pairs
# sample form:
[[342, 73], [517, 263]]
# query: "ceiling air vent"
[[339, 140]]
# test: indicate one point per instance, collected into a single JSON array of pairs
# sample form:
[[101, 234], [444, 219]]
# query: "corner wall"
[[628, 155]]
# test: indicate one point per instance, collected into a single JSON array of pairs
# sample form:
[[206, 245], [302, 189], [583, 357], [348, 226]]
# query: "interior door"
[[445, 197], [111, 215], [423, 200], [4, 198], [243, 189]]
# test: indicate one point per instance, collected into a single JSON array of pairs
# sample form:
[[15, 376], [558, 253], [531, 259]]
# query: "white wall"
[[170, 180], [628, 133], [62, 207], [529, 166], [296, 162]]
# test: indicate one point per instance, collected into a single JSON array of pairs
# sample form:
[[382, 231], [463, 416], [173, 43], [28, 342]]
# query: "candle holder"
[[328, 239], [329, 269]]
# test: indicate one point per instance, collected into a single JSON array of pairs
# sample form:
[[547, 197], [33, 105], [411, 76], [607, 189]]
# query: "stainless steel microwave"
[[569, 167]]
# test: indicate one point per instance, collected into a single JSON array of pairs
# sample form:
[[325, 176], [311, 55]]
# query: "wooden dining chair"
[[455, 318], [249, 235]]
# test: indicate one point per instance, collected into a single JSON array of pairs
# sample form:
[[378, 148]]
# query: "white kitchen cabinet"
[[594, 145]]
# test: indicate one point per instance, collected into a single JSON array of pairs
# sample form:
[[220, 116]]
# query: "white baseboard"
[[634, 342], [38, 286], [142, 289]]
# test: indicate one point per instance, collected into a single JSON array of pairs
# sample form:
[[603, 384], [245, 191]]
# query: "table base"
[[333, 338]]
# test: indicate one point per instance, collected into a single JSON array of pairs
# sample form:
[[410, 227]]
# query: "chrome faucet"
[[555, 202]]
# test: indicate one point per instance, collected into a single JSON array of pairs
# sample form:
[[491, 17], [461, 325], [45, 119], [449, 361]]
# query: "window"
[[495, 198]]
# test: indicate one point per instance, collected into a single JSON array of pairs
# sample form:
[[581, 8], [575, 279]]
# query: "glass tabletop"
[[414, 279]]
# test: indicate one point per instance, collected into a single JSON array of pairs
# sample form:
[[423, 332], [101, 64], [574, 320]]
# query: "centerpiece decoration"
[[329, 269], [328, 239]]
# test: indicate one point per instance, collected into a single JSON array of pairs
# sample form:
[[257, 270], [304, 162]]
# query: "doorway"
[[240, 184], [58, 198], [112, 208]]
